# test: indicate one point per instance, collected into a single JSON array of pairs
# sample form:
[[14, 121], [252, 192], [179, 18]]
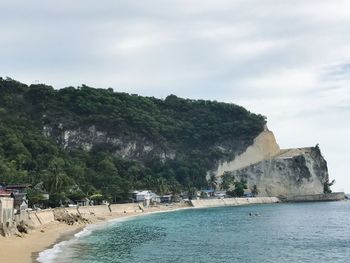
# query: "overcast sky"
[[288, 60]]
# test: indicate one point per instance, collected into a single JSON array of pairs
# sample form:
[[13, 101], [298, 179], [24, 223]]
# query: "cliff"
[[264, 146], [277, 172]]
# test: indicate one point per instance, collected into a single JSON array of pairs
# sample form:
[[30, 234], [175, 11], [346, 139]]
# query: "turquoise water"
[[304, 232]]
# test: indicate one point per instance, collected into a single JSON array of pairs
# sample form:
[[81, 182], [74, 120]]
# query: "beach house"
[[166, 198], [146, 197]]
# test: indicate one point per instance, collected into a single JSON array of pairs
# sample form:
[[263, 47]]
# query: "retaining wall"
[[317, 197], [233, 201], [37, 218]]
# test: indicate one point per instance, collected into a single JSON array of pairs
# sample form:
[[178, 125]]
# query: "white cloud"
[[285, 59]]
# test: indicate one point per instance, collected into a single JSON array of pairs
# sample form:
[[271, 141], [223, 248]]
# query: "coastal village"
[[18, 218], [14, 204]]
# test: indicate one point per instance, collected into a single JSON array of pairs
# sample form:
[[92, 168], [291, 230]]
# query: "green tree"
[[228, 180], [327, 186], [212, 182], [55, 178], [238, 191]]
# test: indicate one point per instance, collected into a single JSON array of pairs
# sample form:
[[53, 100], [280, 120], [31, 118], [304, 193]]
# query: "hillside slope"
[[82, 141]]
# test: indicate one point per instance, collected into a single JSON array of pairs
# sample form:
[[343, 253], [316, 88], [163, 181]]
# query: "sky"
[[288, 60]]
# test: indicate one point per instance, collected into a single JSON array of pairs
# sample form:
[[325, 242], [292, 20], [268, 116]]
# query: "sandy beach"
[[25, 249]]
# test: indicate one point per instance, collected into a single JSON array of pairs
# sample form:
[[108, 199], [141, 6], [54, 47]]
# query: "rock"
[[292, 172], [277, 172], [62, 215], [23, 228]]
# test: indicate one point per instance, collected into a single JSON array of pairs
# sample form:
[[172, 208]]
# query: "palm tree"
[[212, 182], [162, 186]]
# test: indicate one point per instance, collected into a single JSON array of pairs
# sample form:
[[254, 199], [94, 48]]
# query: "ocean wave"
[[49, 255]]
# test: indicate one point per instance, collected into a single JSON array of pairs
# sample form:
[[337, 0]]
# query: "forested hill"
[[77, 142]]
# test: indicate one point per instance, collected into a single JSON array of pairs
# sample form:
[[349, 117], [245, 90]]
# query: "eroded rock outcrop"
[[278, 172], [263, 147]]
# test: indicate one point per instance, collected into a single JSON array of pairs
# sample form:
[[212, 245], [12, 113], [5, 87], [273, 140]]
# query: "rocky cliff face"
[[278, 172], [85, 138], [263, 147], [275, 172]]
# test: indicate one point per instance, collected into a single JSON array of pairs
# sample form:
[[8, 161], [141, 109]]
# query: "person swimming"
[[255, 214]]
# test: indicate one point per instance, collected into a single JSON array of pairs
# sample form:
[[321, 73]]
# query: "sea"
[[289, 232]]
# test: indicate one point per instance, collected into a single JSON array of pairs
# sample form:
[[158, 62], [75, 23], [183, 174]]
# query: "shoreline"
[[23, 249], [65, 236], [69, 235], [27, 248]]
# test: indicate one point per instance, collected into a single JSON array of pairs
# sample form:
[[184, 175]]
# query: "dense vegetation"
[[197, 131]]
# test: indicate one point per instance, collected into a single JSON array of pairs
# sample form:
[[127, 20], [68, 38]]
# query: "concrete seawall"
[[233, 201], [36, 219], [317, 197]]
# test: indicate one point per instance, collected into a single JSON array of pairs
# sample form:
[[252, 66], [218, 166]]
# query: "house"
[[19, 200], [19, 195], [83, 202], [155, 198], [5, 193], [142, 196], [220, 194], [19, 188], [207, 193], [166, 198], [145, 196], [247, 193]]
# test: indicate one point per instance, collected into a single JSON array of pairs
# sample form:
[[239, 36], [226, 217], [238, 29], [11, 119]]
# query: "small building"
[[155, 198], [5, 193], [142, 196], [18, 199], [83, 202], [207, 193], [16, 191], [166, 199], [247, 193], [19, 188], [220, 194]]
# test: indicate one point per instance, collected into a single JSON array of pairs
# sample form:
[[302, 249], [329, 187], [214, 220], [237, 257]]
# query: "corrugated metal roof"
[[5, 193]]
